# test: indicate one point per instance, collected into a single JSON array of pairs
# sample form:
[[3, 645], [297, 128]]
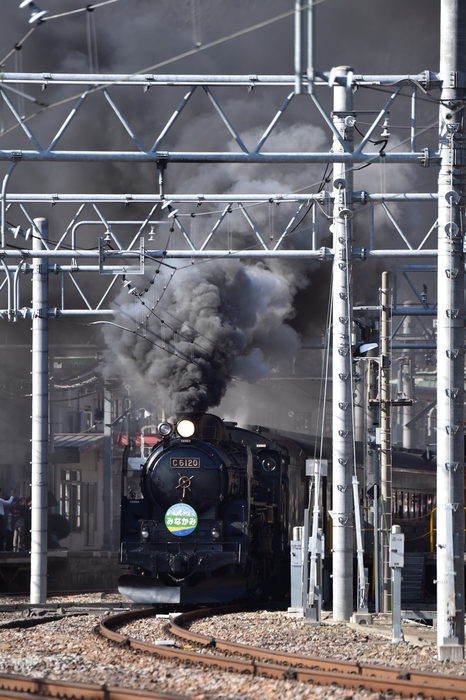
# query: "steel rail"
[[12, 686], [270, 664]]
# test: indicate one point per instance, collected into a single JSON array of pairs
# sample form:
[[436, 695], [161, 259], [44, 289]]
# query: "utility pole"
[[107, 501], [39, 440], [385, 441], [450, 336], [342, 511], [385, 404], [371, 463]]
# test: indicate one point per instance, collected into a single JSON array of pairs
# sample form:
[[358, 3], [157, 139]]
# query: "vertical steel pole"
[[385, 442], [310, 47], [342, 515], [298, 47], [39, 440], [107, 538], [450, 336]]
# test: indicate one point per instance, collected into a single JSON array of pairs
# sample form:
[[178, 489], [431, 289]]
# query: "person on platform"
[[3, 502], [9, 530], [20, 516]]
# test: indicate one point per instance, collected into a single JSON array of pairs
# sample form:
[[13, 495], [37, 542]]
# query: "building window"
[[70, 497], [79, 421]]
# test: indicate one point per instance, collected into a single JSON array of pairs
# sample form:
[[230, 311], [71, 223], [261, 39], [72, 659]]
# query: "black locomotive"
[[209, 516], [214, 516]]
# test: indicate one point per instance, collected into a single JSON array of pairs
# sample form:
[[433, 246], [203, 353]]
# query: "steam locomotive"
[[208, 517], [212, 514]]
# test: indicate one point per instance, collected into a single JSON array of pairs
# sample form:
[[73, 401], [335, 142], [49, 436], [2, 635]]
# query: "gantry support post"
[[450, 334], [298, 46], [39, 441], [342, 511], [385, 442]]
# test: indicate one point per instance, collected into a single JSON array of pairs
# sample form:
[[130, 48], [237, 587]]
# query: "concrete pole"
[[371, 419], [39, 440], [408, 411], [359, 413], [342, 511], [450, 335], [371, 464], [385, 442], [407, 385], [107, 505]]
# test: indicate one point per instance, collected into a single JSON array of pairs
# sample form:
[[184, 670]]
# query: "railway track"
[[240, 658], [33, 615], [21, 687]]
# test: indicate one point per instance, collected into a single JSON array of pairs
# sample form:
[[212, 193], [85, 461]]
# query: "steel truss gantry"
[[136, 241]]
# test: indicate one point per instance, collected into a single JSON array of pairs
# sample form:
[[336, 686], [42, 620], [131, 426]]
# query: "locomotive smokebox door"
[[191, 473]]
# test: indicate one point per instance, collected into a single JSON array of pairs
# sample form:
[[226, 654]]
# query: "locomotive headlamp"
[[145, 534], [215, 532], [269, 464], [185, 428], [165, 429]]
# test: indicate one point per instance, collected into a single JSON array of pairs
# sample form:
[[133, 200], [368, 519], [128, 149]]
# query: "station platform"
[[67, 572]]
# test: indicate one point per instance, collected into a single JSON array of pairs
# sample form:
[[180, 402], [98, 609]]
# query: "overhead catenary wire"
[[176, 332], [140, 335], [86, 8], [181, 357], [160, 64], [63, 14], [17, 46]]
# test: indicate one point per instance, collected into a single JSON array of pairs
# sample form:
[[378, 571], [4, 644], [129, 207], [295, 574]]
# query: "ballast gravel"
[[72, 649]]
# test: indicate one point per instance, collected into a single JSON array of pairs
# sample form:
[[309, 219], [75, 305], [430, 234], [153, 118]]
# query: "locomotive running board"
[[152, 591]]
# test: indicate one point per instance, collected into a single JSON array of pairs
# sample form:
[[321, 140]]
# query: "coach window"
[[70, 497], [423, 504], [406, 505]]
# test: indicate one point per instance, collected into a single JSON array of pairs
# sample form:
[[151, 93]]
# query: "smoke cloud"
[[224, 323], [215, 322]]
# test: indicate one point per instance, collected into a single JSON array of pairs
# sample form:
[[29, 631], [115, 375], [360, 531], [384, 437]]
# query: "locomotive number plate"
[[185, 463]]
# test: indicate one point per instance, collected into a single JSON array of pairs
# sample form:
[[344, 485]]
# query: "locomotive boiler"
[[213, 515]]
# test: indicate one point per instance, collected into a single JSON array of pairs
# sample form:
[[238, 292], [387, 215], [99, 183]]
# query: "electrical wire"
[[17, 47], [429, 97], [87, 8], [186, 359], [160, 64]]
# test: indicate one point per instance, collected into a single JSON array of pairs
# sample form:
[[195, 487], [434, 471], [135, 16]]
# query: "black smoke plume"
[[215, 323]]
